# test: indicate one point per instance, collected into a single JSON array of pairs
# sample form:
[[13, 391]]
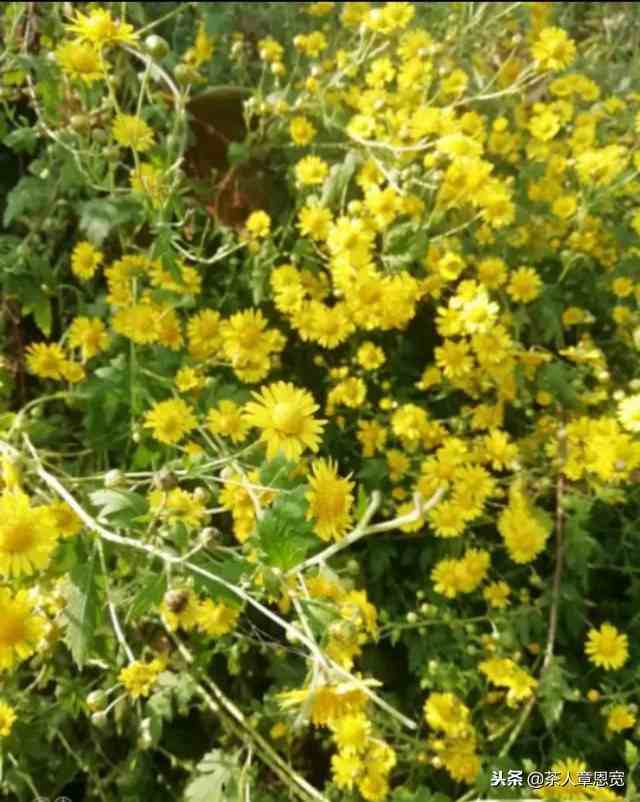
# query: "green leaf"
[[284, 535], [22, 140], [41, 311], [122, 506], [83, 609], [217, 778], [230, 570], [337, 183], [553, 691], [150, 594], [30, 196]]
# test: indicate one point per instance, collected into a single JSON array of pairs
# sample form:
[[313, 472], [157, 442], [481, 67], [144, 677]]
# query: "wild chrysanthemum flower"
[[301, 130], [619, 718], [46, 360], [497, 594], [226, 419], [139, 677], [284, 413], [20, 628], [85, 259], [88, 334], [330, 500], [553, 49], [351, 732], [27, 535], [525, 285], [607, 647], [178, 505], [7, 717], [311, 171], [258, 224], [99, 28], [132, 132], [216, 619], [170, 420], [80, 60], [445, 712], [314, 222], [629, 413]]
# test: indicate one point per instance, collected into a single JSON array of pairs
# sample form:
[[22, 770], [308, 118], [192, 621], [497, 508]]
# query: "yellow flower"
[[370, 356], [88, 334], [20, 628], [285, 415], [524, 285], [170, 420], [258, 224], [553, 50], [138, 677], [132, 132], [311, 171], [202, 49], [314, 222], [621, 717], [497, 594], [330, 500], [99, 28], [80, 60], [445, 711], [629, 413], [7, 717], [46, 360], [27, 535], [85, 259], [216, 619], [177, 505], [180, 609], [351, 732], [346, 767], [301, 130], [607, 648], [226, 419]]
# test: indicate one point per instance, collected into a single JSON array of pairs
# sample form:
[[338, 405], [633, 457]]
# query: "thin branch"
[[363, 528], [235, 721], [294, 631], [555, 601]]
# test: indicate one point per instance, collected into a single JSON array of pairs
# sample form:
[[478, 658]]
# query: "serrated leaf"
[[552, 693], [29, 196], [83, 608], [150, 594], [217, 776], [230, 570], [124, 503], [283, 534]]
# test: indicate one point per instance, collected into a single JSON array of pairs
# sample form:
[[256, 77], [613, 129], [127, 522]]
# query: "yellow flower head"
[[46, 360], [80, 60], [99, 28], [553, 50], [284, 413], [20, 628], [607, 647], [132, 132], [7, 717], [330, 500], [171, 420], [138, 677], [85, 259]]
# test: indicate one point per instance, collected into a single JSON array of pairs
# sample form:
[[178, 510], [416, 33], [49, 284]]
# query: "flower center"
[[286, 418], [17, 538]]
